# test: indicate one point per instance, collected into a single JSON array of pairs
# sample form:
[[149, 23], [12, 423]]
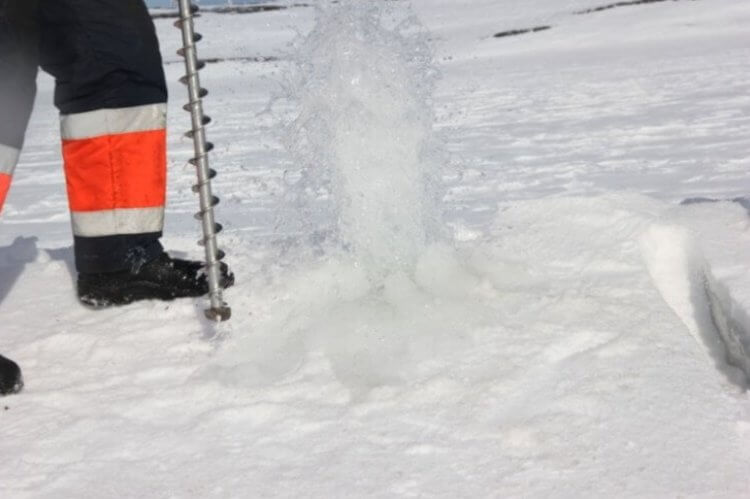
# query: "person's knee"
[[103, 57]]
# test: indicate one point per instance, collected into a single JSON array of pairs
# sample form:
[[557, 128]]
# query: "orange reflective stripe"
[[4, 186], [127, 170]]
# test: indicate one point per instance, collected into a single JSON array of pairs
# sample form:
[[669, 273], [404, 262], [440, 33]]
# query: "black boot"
[[11, 380], [164, 278]]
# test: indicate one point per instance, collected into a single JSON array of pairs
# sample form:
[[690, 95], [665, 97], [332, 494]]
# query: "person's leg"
[[18, 69], [111, 93]]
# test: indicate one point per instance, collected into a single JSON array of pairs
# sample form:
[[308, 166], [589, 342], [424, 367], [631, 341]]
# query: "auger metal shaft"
[[218, 311]]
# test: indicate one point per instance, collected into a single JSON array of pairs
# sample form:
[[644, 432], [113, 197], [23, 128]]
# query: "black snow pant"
[[111, 94]]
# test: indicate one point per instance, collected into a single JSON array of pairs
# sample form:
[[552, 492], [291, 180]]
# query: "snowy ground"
[[565, 341]]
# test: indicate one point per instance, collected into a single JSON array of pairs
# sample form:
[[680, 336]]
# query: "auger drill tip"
[[220, 314]]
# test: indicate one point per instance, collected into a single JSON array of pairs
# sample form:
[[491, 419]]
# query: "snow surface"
[[571, 329]]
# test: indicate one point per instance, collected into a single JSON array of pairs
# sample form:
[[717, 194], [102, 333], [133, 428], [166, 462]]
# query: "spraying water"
[[391, 294], [364, 131]]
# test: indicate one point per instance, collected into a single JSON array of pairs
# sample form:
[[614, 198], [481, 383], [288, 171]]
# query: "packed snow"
[[467, 265]]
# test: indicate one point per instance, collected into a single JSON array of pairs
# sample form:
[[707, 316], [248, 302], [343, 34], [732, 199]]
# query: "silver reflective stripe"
[[8, 159], [117, 222], [113, 121]]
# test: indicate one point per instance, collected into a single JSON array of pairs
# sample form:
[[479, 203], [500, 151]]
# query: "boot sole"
[[98, 299]]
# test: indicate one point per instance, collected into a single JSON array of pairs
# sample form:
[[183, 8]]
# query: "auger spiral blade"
[[219, 310]]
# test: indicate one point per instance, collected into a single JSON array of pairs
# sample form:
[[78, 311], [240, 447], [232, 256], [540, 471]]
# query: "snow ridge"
[[684, 279]]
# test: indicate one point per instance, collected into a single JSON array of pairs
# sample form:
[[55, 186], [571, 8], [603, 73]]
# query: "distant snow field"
[[483, 249]]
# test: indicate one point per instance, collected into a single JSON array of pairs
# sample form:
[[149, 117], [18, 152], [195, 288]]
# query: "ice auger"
[[219, 310]]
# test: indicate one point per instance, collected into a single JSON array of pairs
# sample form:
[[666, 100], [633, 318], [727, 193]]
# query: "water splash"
[[391, 294], [363, 138]]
